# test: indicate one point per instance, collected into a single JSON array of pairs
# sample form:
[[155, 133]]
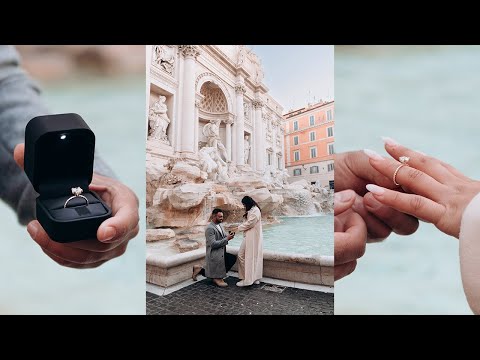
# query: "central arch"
[[212, 78], [213, 106]]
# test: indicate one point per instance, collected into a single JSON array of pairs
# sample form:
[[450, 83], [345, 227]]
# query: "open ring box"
[[59, 154]]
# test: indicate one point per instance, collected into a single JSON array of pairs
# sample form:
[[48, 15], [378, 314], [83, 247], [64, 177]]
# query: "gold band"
[[396, 172]]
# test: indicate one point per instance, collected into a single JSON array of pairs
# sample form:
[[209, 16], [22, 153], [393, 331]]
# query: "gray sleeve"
[[20, 101]]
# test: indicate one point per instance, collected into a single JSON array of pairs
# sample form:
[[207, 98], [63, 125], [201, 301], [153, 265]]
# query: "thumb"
[[343, 201], [18, 154]]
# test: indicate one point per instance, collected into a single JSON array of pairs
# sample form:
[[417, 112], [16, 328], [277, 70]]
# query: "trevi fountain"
[[215, 134]]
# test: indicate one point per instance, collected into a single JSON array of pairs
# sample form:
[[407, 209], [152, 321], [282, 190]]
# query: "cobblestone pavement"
[[205, 298]]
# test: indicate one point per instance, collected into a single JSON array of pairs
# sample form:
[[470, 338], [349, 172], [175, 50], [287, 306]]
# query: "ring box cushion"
[[59, 155]]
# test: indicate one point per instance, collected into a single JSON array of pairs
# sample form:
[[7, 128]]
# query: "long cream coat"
[[250, 255]]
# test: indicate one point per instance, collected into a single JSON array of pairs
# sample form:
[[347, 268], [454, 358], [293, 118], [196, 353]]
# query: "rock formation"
[[182, 193]]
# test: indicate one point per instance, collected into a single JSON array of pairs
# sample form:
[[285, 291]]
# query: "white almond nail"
[[389, 141], [372, 154], [374, 189]]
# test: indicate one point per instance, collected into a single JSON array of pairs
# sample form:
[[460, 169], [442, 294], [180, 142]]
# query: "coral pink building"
[[309, 143]]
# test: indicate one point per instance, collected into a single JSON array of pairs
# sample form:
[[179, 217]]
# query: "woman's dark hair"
[[248, 202]]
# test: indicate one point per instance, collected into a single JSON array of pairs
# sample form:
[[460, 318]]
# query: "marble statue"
[[223, 150], [158, 120], [165, 58], [212, 132], [207, 163], [241, 55], [222, 167], [246, 148], [267, 175], [212, 163], [285, 176]]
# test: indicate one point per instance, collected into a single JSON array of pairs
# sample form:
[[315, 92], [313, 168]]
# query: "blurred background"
[[427, 98], [106, 86]]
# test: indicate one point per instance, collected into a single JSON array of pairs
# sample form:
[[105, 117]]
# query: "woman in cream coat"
[[250, 255], [437, 193]]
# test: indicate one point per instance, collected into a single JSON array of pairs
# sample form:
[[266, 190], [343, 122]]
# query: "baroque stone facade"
[[218, 84]]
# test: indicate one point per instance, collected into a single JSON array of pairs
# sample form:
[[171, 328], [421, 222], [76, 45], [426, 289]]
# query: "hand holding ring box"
[[59, 155]]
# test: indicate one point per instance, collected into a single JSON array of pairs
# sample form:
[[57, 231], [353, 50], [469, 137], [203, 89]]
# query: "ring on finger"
[[404, 162]]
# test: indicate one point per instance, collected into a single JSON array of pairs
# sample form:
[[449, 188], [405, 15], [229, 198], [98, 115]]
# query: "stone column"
[[233, 153], [190, 53], [148, 61], [282, 144], [240, 124], [259, 136], [197, 106], [228, 135]]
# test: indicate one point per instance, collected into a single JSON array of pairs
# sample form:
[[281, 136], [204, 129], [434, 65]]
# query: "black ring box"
[[59, 155]]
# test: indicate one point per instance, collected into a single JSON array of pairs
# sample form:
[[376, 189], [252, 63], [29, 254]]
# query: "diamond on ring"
[[77, 191], [404, 159]]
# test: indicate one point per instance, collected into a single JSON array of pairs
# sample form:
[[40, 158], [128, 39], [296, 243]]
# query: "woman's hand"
[[354, 171], [440, 192], [350, 235]]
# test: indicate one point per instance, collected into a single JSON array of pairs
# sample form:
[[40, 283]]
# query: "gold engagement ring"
[[404, 162]]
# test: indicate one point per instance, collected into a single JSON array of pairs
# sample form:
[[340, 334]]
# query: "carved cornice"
[[189, 50]]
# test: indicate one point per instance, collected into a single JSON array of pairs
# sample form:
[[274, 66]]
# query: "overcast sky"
[[295, 74]]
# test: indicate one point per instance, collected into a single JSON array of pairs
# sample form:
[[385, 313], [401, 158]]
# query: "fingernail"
[[374, 189], [109, 233], [32, 229], [372, 154], [343, 196], [389, 141], [420, 152]]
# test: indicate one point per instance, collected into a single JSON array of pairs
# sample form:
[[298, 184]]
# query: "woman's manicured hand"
[[439, 192]]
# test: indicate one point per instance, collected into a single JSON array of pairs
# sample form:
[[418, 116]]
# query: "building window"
[[312, 120], [314, 169], [329, 115], [296, 155], [279, 162], [330, 131], [269, 159], [313, 152], [330, 167], [295, 125], [295, 140], [331, 184], [331, 151], [312, 136], [297, 172]]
